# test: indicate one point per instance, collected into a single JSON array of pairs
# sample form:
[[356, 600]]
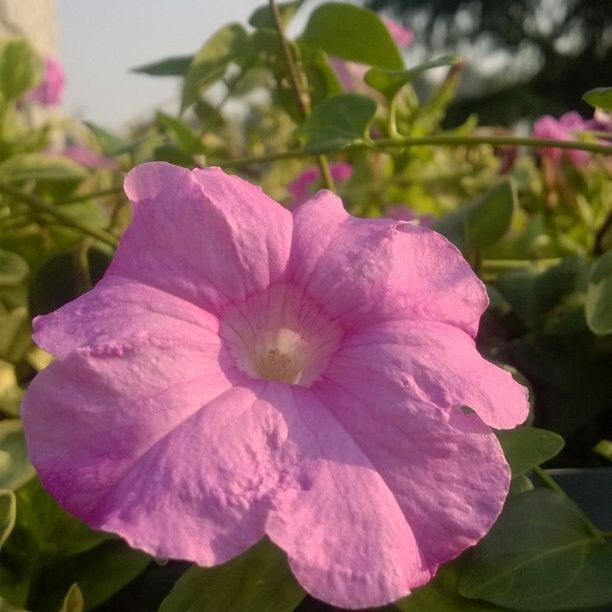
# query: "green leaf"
[[20, 68], [526, 447], [41, 167], [100, 573], [49, 528], [598, 305], [352, 33], [262, 18], [13, 269], [338, 122], [188, 140], [540, 555], [442, 595], [15, 468], [229, 44], [600, 97], [74, 601], [8, 508], [482, 222], [259, 580], [389, 82], [5, 606], [15, 333], [170, 66], [111, 144]]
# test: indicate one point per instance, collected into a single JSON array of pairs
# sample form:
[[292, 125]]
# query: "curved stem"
[[77, 199], [37, 205], [298, 79], [430, 141]]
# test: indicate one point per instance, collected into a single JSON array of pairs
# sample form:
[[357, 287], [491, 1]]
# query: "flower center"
[[280, 334]]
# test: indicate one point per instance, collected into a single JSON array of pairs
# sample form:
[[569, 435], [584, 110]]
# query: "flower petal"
[[205, 236], [119, 310], [94, 411], [201, 493], [433, 362], [450, 481], [347, 540], [369, 270]]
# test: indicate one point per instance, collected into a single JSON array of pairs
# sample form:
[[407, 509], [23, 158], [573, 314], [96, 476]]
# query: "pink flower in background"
[[402, 36], [351, 74], [50, 90], [563, 128], [302, 187], [86, 157], [243, 371]]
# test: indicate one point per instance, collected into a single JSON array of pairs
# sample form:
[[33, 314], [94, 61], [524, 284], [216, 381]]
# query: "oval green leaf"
[[338, 122], [352, 33], [13, 269], [600, 97], [15, 468], [176, 66], [262, 17], [266, 585], [41, 167], [540, 555], [482, 222], [598, 305], [229, 44], [74, 601], [389, 82], [20, 68], [526, 447]]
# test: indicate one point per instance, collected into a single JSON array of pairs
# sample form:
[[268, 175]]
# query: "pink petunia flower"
[[563, 128], [242, 370], [301, 187], [50, 90], [350, 74]]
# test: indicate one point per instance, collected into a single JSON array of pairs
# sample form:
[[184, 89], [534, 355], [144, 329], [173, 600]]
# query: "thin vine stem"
[[297, 79], [429, 141], [39, 206], [77, 199]]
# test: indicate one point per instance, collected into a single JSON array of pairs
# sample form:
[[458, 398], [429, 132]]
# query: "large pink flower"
[[242, 371]]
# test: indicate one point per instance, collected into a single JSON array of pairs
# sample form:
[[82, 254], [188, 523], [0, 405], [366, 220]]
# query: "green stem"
[[430, 141], [547, 480], [297, 79], [511, 264], [77, 199], [38, 206]]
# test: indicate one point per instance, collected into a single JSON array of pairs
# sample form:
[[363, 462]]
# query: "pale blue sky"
[[101, 40]]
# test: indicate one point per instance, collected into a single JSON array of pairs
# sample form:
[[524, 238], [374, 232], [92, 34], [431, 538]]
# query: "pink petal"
[[202, 492], [347, 540], [205, 236], [433, 362], [119, 309], [130, 372], [369, 270], [450, 482]]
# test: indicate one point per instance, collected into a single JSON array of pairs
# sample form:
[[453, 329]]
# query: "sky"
[[100, 41]]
